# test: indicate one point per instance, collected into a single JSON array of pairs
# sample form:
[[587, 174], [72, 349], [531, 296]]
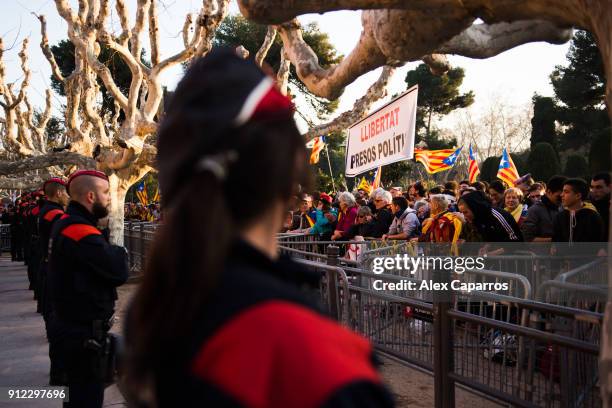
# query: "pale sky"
[[514, 75]]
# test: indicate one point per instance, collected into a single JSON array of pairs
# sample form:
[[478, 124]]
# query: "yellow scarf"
[[516, 213]]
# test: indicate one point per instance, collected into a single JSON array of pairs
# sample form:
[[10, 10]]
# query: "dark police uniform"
[[258, 335], [16, 234], [33, 244], [49, 214], [84, 271]]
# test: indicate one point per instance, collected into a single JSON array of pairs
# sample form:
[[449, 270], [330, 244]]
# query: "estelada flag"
[[156, 196], [473, 170], [507, 171], [141, 193], [319, 144], [437, 160], [377, 176]]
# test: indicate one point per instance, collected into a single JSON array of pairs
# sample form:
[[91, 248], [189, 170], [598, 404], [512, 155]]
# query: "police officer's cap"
[[79, 173], [56, 180]]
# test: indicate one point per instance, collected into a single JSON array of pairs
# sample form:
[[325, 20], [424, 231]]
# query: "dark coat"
[[84, 269], [588, 226], [493, 224], [261, 341], [539, 221]]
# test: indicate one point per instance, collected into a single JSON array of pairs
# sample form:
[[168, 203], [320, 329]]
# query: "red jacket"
[[345, 220]]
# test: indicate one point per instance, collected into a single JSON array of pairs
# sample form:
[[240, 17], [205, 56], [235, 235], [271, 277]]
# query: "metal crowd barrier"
[[137, 238], [503, 345], [534, 344], [5, 237]]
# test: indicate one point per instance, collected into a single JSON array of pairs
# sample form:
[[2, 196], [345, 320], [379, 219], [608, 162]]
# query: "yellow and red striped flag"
[[377, 176], [437, 160], [156, 197], [318, 145], [141, 193], [473, 170], [507, 171]]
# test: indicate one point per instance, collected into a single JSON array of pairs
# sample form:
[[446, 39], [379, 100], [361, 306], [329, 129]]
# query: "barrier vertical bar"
[[142, 248], [333, 252], [444, 386]]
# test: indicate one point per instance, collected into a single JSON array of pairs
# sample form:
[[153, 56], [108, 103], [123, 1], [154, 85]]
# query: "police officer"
[[84, 271], [33, 241], [12, 219], [51, 211]]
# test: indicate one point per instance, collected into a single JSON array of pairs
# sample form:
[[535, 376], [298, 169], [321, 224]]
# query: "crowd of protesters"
[[139, 212], [214, 277], [558, 210]]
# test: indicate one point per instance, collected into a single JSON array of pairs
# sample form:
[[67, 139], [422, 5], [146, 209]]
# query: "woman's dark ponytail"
[[183, 264]]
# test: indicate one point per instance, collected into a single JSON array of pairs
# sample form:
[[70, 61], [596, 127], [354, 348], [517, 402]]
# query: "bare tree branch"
[[282, 76], [44, 45], [485, 41], [265, 46], [360, 109], [44, 161]]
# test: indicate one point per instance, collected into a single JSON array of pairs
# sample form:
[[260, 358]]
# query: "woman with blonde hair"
[[513, 203]]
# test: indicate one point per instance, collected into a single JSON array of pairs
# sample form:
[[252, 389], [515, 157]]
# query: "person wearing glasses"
[[383, 216]]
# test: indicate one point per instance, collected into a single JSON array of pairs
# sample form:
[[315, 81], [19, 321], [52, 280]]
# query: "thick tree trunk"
[[118, 191], [602, 29]]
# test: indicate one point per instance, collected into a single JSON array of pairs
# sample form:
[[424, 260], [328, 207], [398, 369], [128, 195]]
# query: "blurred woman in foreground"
[[220, 319]]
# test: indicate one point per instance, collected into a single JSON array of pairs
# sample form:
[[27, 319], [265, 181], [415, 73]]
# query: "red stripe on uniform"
[[77, 232], [52, 214], [35, 211], [279, 354]]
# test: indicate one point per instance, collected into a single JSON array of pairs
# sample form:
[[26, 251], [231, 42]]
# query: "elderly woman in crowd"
[[346, 216], [443, 226], [383, 217], [513, 203]]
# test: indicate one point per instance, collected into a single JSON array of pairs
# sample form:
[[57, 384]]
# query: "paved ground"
[[24, 357]]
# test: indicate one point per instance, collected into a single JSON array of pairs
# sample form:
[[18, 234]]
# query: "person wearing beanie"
[[220, 318]]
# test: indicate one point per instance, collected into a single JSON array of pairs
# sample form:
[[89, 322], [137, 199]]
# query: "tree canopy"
[[236, 30], [543, 121], [580, 92], [438, 94], [543, 162], [63, 52]]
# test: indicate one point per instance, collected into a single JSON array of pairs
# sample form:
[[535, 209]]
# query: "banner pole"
[[330, 168]]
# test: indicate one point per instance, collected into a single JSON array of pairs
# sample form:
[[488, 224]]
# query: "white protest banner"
[[384, 137]]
